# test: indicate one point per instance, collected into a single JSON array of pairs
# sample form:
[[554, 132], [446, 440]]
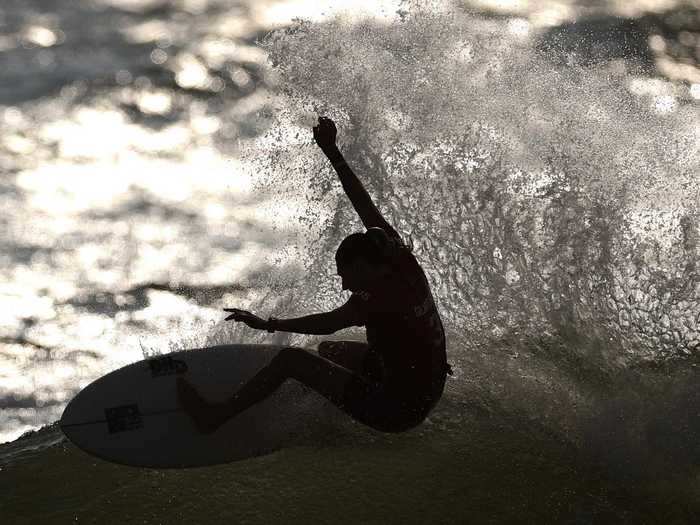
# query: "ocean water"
[[550, 191]]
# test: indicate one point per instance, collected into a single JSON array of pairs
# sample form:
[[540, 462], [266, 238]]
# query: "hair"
[[357, 245]]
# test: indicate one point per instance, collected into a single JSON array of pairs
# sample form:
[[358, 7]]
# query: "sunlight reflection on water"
[[102, 203]]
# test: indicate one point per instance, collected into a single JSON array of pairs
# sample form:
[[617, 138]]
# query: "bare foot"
[[207, 416]]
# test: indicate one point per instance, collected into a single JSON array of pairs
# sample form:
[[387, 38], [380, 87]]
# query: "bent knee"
[[329, 349], [291, 353]]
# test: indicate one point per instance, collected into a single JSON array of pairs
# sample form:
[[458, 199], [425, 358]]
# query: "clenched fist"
[[325, 133]]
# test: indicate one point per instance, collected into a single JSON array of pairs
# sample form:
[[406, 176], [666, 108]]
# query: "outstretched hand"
[[325, 133], [246, 317]]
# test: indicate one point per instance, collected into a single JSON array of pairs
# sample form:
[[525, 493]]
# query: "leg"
[[325, 377], [349, 354]]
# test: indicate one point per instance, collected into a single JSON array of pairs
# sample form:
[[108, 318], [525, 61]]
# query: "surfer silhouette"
[[391, 382]]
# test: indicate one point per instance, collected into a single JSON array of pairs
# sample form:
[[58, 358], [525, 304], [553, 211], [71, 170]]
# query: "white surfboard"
[[130, 416]]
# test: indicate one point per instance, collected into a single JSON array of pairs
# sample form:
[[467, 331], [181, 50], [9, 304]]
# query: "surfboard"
[[131, 415]]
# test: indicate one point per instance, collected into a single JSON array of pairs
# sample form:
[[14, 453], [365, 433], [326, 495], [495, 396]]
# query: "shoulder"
[[359, 299], [352, 313]]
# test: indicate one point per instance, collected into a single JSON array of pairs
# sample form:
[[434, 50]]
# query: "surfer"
[[391, 382]]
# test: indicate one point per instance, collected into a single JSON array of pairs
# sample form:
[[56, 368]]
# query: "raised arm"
[[325, 134]]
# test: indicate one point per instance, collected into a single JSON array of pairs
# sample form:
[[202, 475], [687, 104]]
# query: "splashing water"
[[539, 198], [554, 211]]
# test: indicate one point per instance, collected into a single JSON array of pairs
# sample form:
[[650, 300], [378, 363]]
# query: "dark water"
[[550, 190]]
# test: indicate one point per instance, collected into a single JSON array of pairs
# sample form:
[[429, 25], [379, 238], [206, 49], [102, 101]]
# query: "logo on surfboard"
[[166, 366]]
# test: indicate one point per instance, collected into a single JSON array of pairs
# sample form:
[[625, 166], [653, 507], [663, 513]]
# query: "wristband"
[[270, 322]]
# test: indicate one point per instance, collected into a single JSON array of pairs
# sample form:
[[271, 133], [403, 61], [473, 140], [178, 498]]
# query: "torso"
[[404, 328]]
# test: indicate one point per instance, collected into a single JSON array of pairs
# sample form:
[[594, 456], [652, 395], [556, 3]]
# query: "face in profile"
[[350, 276], [359, 275]]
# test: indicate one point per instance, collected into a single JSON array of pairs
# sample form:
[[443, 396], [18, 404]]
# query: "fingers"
[[243, 316], [235, 313]]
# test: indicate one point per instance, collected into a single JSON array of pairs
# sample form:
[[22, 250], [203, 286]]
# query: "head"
[[359, 263]]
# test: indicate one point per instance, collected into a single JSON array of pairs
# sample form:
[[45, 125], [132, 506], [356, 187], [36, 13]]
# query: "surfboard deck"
[[131, 416]]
